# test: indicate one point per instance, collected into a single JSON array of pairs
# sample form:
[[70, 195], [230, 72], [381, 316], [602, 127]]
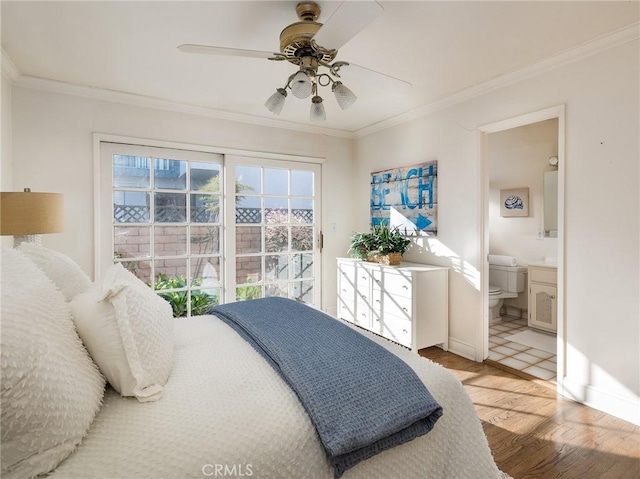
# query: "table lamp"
[[27, 215]]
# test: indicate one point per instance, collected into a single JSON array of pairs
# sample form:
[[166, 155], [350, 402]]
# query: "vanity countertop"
[[544, 263]]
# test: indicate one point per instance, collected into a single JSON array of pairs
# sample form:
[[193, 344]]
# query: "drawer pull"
[[405, 310], [404, 331], [404, 286]]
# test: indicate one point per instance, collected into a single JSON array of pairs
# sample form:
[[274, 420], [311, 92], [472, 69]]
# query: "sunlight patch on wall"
[[437, 248]]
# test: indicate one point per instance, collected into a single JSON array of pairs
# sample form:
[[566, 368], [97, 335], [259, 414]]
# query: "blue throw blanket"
[[361, 398]]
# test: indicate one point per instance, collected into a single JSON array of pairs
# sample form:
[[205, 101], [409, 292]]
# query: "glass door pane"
[[160, 218], [275, 207]]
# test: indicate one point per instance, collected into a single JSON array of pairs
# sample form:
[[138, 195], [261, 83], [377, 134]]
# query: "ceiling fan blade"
[[356, 73], [231, 52], [346, 22]]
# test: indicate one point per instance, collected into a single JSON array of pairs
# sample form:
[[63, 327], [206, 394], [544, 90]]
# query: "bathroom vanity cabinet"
[[408, 303], [543, 292]]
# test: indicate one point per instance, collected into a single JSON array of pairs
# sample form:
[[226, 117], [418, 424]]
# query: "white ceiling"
[[442, 48]]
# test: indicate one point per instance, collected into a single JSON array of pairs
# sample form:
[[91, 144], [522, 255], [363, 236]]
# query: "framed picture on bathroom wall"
[[514, 202]]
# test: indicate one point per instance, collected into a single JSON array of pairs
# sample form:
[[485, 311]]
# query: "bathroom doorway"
[[517, 155]]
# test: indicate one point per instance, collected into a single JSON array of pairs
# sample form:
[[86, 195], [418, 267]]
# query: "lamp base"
[[34, 239]]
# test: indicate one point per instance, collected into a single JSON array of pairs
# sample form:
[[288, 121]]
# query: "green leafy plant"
[[201, 301], [362, 244], [382, 240], [245, 293], [389, 240]]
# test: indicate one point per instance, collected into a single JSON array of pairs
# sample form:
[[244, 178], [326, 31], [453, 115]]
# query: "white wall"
[[6, 170], [602, 212], [53, 151], [518, 158]]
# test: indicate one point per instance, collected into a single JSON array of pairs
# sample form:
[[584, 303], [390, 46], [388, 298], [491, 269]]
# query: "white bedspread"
[[226, 413]]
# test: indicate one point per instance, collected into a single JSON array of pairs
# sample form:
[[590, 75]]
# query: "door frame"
[[482, 339]]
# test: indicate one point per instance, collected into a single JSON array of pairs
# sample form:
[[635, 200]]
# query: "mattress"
[[226, 412]]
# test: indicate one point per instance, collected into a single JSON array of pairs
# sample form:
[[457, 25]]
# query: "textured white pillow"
[[62, 270], [51, 390], [128, 330]]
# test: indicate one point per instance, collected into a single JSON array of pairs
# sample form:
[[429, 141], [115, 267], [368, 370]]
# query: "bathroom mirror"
[[550, 189]]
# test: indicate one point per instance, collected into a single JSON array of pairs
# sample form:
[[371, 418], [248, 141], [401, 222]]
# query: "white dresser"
[[408, 303]]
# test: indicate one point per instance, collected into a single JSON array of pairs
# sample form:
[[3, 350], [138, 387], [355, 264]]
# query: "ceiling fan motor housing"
[[295, 39]]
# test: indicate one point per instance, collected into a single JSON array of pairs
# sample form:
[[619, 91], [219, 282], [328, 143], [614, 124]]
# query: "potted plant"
[[383, 245], [361, 245]]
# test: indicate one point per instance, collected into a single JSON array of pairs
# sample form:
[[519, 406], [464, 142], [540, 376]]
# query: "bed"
[[222, 410]]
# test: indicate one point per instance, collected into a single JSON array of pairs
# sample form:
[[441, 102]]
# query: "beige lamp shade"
[[26, 213]]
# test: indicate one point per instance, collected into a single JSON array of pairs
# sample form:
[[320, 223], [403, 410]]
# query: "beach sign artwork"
[[406, 197]]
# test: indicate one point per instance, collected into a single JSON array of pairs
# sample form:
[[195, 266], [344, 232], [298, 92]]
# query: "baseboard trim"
[[461, 348], [624, 408]]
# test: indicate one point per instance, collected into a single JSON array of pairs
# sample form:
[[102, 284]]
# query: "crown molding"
[[114, 96], [592, 47], [584, 50], [9, 70]]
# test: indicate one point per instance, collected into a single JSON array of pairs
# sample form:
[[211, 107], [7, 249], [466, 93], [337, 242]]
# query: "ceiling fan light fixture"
[[317, 109], [344, 96], [275, 103], [313, 47], [301, 85]]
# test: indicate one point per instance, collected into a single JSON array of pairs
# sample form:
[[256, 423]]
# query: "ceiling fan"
[[312, 46]]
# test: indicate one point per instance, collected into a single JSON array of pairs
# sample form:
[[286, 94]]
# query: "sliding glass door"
[[202, 228]]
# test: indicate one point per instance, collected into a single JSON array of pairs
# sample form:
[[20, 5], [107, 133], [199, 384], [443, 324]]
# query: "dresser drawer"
[[377, 306], [368, 296], [397, 329], [395, 284], [347, 270], [395, 305], [376, 322], [362, 316], [346, 288], [346, 311], [543, 275], [364, 276]]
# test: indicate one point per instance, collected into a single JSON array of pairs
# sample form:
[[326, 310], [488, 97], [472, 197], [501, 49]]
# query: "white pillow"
[[62, 270], [128, 330], [51, 390]]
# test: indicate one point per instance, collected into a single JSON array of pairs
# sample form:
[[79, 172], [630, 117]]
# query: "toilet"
[[504, 282]]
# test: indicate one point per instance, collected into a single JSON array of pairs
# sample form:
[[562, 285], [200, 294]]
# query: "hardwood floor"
[[534, 433]]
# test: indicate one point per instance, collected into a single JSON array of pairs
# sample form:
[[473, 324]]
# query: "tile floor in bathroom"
[[535, 362]]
